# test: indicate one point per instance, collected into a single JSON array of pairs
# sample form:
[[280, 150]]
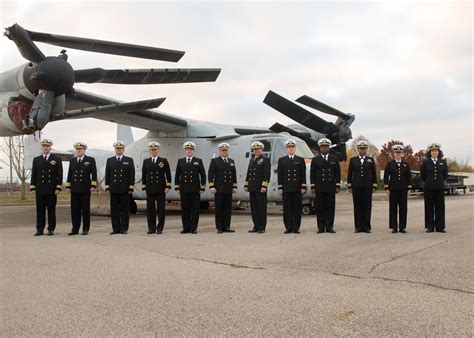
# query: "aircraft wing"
[[145, 119]]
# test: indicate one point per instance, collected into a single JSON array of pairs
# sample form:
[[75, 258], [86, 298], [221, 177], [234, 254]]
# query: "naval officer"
[[120, 181], [325, 182], [190, 182], [256, 183], [362, 183], [156, 182], [222, 178], [434, 171], [81, 181], [292, 186], [397, 182], [46, 183]]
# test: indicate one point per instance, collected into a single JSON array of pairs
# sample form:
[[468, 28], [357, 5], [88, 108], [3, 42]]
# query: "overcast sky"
[[403, 68]]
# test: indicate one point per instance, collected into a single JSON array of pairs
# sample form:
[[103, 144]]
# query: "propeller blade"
[[108, 47], [299, 114], [279, 128], [322, 107], [40, 113], [126, 107], [145, 76], [25, 45], [340, 151]]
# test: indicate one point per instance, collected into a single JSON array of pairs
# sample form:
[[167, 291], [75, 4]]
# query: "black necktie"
[[118, 159], [326, 157], [225, 160], [188, 161], [153, 160], [46, 158], [79, 160]]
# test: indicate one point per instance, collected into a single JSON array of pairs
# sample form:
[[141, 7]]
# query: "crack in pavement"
[[232, 265], [404, 281], [391, 259]]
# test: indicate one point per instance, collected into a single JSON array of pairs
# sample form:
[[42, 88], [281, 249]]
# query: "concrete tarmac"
[[342, 284]]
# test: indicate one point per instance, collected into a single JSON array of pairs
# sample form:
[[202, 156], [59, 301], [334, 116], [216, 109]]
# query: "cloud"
[[403, 68]]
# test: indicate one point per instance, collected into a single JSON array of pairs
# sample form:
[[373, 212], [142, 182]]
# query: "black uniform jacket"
[[291, 174], [397, 177], [258, 174], [222, 176], [190, 177], [81, 177], [156, 177], [434, 175], [361, 176], [46, 176], [120, 176], [325, 175]]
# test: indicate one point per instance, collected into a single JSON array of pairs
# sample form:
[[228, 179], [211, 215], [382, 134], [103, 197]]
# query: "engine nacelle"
[[13, 114]]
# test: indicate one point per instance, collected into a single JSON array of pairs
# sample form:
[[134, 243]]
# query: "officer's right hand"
[[350, 190], [246, 189], [313, 191], [213, 190], [178, 191], [32, 192], [280, 192], [388, 192], [69, 190]]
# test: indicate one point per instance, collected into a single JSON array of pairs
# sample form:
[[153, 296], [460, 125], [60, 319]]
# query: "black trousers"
[[325, 209], [362, 198], [223, 212], [292, 204], [434, 209], [155, 205], [119, 211], [44, 202], [258, 207], [190, 202], [398, 202], [80, 206]]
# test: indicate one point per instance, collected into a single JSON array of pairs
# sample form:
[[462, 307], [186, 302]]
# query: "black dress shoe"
[[229, 230], [368, 231], [114, 233], [442, 230], [124, 232], [159, 232], [150, 232], [403, 231], [394, 231], [194, 232], [288, 232], [429, 230], [252, 230], [320, 231], [219, 231], [73, 233], [50, 233], [261, 231], [38, 233], [296, 231], [184, 232], [332, 231], [85, 233]]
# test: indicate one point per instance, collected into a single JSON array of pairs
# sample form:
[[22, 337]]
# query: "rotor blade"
[[127, 107], [145, 76], [108, 47], [27, 48], [40, 111], [279, 128], [322, 107], [299, 114]]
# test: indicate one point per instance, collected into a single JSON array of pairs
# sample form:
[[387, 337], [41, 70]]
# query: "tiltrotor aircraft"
[[42, 91]]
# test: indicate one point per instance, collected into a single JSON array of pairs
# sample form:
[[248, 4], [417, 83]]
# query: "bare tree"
[[14, 149]]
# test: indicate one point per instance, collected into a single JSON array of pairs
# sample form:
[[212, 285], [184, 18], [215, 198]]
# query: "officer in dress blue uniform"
[[81, 181], [256, 183], [156, 182], [362, 182], [46, 183], [434, 171], [292, 186], [326, 182], [222, 178], [397, 182], [120, 181], [190, 182]]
